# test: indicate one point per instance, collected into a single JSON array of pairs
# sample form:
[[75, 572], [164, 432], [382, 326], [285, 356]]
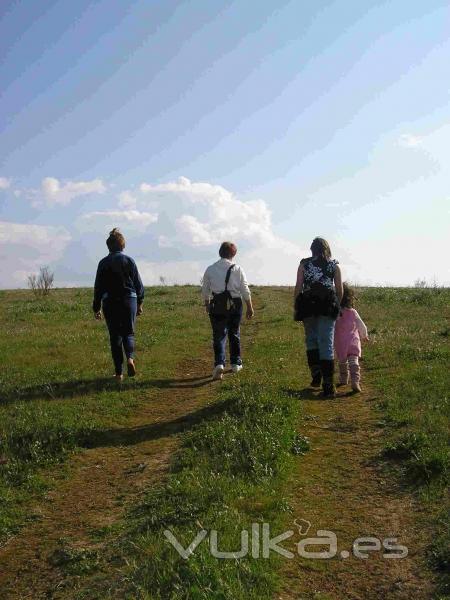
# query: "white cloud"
[[190, 220], [192, 232], [337, 204], [173, 272], [52, 192], [409, 140], [24, 248], [182, 185], [274, 263], [127, 200], [202, 215], [210, 213], [134, 219], [4, 183], [164, 242]]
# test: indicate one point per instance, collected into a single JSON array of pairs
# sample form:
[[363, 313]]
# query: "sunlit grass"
[[56, 394]]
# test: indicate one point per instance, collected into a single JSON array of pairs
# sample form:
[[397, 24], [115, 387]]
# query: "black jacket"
[[117, 278]]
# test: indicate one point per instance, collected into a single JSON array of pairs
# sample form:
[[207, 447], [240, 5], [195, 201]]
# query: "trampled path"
[[341, 485], [103, 481]]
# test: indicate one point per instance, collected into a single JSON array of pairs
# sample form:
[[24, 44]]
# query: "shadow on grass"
[[82, 387], [152, 431], [304, 394], [315, 394]]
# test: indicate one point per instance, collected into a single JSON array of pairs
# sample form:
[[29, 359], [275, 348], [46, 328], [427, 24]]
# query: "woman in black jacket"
[[118, 289]]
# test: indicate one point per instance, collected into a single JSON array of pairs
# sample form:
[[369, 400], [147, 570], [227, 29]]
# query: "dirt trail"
[[340, 485], [103, 481]]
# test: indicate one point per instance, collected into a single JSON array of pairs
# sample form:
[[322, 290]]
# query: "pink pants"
[[350, 364]]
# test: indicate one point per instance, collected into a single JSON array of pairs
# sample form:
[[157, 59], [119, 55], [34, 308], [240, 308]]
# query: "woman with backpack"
[[318, 292], [224, 287]]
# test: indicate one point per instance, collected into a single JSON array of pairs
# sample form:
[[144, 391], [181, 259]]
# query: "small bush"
[[42, 283]]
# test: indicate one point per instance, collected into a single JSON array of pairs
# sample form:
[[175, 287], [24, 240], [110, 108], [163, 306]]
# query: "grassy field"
[[231, 468]]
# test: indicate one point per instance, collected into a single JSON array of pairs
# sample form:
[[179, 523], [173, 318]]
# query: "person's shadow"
[[83, 387], [304, 394], [130, 436], [315, 394]]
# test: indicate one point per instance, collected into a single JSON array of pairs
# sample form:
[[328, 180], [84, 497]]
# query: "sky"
[[187, 123]]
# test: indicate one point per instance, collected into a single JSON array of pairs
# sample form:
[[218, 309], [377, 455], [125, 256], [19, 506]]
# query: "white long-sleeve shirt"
[[214, 280]]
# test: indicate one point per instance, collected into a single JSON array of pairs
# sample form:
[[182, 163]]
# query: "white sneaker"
[[217, 373], [236, 368]]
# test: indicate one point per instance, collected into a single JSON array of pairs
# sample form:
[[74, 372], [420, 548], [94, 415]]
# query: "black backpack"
[[223, 303], [319, 300]]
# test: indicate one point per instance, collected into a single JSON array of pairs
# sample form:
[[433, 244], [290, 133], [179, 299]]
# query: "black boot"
[[314, 367], [327, 366]]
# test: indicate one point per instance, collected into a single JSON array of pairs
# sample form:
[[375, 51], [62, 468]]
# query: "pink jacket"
[[347, 334]]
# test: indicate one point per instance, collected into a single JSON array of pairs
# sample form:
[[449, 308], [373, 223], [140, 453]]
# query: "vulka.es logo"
[[258, 543]]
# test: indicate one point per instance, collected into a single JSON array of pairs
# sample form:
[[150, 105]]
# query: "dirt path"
[[340, 485], [103, 480]]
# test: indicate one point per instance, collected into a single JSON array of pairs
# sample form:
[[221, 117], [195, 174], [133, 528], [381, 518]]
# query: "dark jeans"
[[120, 316], [227, 326]]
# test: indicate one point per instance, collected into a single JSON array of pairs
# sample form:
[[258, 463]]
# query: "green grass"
[[231, 468], [56, 380], [227, 475], [247, 451], [408, 362]]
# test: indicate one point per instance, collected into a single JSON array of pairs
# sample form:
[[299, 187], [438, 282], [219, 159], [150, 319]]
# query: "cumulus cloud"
[[171, 272], [200, 215], [192, 232], [53, 192], [4, 183], [98, 220], [24, 248], [203, 213], [173, 230], [127, 200], [409, 140]]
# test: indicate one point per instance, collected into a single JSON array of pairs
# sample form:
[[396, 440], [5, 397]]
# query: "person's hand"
[[250, 312], [207, 308], [140, 310], [98, 315], [367, 339]]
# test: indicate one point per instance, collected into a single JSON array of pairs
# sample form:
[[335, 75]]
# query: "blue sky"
[[188, 122]]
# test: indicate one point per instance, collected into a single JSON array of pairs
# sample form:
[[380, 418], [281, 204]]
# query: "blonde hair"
[[349, 296]]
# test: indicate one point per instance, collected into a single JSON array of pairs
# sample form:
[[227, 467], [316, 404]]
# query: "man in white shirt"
[[223, 325]]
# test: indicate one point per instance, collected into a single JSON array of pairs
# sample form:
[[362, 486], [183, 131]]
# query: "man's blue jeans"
[[319, 335], [228, 326], [120, 316]]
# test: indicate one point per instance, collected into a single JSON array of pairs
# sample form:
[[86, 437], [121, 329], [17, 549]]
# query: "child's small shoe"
[[356, 388]]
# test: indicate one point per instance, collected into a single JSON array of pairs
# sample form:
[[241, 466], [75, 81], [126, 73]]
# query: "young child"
[[350, 328]]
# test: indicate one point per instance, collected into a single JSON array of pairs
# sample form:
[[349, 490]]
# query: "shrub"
[[42, 283]]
